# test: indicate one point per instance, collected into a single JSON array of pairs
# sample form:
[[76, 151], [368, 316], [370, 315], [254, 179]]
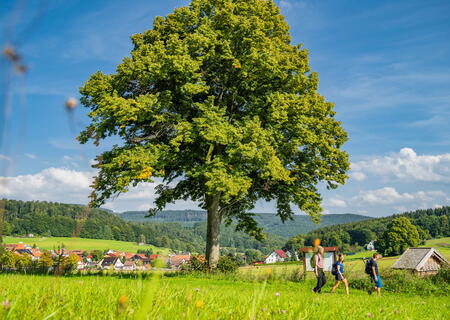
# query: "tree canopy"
[[399, 236], [217, 103]]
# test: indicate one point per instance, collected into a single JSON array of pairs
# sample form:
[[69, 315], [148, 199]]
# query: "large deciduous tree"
[[399, 236], [217, 102]]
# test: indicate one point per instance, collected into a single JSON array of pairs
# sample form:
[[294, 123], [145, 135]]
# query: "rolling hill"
[[270, 222]]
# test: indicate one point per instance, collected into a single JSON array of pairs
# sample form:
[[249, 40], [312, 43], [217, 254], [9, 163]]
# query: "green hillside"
[[433, 223], [47, 219], [83, 244], [268, 221]]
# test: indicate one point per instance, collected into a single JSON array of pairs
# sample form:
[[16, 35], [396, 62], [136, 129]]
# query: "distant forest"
[[431, 223], [268, 221], [62, 220]]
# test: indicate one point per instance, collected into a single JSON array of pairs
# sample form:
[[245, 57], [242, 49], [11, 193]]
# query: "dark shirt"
[[374, 264]]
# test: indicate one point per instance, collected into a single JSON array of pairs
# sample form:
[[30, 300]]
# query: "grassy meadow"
[[84, 244], [46, 297], [263, 292]]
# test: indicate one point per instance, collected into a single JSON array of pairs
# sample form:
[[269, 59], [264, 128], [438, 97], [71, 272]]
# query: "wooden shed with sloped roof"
[[421, 261]]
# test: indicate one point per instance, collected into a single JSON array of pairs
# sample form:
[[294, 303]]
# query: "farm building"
[[422, 261], [276, 256]]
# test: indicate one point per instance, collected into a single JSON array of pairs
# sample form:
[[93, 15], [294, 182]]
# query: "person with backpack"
[[318, 270], [338, 271], [372, 271]]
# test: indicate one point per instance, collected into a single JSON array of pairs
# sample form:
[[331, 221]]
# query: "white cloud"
[[288, 5], [358, 176], [51, 184], [405, 165], [334, 202], [31, 156], [4, 157], [72, 186], [389, 196]]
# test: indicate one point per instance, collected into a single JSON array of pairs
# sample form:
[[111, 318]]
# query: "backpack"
[[312, 261], [368, 268], [334, 269]]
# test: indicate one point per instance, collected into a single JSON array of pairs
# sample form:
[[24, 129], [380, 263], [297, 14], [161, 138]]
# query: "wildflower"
[[122, 300], [198, 289], [370, 315], [122, 304], [6, 304], [283, 311], [263, 309], [199, 304], [277, 294]]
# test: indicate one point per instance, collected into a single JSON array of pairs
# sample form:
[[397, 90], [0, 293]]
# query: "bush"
[[227, 265], [442, 277], [196, 264]]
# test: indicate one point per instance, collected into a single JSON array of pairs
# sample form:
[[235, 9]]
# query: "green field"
[[254, 293], [84, 244], [40, 297], [354, 265]]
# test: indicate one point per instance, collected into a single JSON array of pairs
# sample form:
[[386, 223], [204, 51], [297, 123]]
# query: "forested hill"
[[431, 223], [64, 220], [270, 222]]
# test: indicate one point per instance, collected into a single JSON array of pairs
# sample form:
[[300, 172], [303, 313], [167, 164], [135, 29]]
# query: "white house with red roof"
[[276, 256]]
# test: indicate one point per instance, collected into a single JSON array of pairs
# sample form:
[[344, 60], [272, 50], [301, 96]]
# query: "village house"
[[370, 246], [35, 254], [421, 261], [129, 266], [175, 261], [154, 256], [276, 256], [110, 262], [15, 246]]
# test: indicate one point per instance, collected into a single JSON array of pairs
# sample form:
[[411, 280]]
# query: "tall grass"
[[46, 297]]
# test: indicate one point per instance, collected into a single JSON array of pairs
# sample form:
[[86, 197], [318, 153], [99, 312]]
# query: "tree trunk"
[[213, 231]]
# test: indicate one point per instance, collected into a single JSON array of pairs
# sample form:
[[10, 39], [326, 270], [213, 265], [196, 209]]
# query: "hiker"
[[372, 270], [318, 270], [338, 272]]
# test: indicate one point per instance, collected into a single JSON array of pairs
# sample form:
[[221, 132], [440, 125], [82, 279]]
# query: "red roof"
[[281, 253], [36, 252], [141, 255], [15, 246], [128, 255], [177, 260], [154, 256]]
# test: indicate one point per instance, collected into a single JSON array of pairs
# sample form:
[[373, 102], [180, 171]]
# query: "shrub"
[[227, 265], [197, 263], [442, 277]]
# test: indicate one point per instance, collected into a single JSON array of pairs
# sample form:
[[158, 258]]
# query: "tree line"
[[43, 218], [416, 226]]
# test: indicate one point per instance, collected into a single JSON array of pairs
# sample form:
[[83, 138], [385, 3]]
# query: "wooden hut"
[[421, 261]]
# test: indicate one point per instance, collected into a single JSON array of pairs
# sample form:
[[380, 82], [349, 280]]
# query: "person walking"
[[372, 270], [338, 271], [318, 270]]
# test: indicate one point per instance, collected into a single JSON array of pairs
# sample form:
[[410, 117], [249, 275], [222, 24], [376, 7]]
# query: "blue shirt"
[[340, 266]]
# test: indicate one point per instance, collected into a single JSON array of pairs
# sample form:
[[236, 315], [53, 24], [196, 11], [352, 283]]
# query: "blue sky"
[[385, 65]]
